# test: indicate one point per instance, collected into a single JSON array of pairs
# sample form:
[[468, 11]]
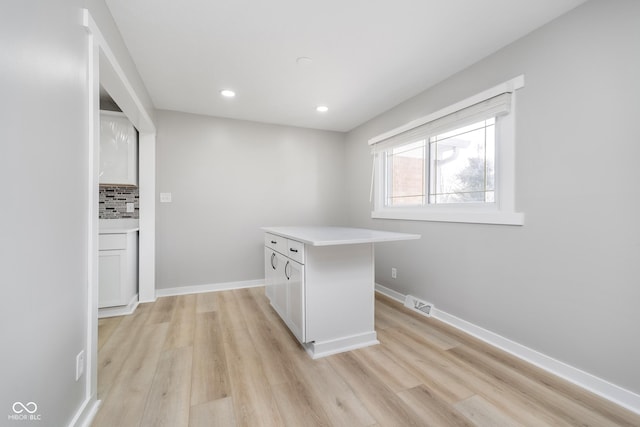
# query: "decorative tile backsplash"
[[113, 200]]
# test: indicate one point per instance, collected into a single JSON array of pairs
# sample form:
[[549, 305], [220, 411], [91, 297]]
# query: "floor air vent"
[[418, 305]]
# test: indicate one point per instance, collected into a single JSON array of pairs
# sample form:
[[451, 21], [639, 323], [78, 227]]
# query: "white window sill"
[[470, 217]]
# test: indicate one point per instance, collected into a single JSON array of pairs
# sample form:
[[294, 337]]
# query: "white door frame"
[[103, 68]]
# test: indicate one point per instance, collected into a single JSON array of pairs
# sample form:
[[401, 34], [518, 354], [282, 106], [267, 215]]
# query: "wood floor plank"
[[482, 413], [395, 376], [513, 403], [609, 410], [431, 409], [281, 333], [207, 301], [125, 403], [382, 323], [227, 359], [182, 324], [336, 397], [453, 381], [162, 310], [230, 313], [300, 405], [562, 407], [399, 316], [430, 365], [115, 351], [253, 399], [385, 405], [474, 378], [106, 327], [210, 374], [217, 413], [168, 400], [264, 335]]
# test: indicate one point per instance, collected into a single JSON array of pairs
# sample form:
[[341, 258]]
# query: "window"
[[456, 165]]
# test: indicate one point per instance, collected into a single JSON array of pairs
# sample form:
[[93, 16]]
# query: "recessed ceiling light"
[[227, 93], [303, 60], [322, 108]]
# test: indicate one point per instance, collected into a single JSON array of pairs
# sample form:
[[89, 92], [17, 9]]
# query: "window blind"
[[495, 106]]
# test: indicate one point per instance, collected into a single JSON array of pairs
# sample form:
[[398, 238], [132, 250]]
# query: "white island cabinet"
[[320, 280]]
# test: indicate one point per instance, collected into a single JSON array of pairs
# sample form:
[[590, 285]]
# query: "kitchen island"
[[320, 280]]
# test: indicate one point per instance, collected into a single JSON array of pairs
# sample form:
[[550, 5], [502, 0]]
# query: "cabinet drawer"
[[107, 242], [276, 243], [295, 251]]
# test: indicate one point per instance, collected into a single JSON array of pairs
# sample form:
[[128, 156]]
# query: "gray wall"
[[567, 282], [43, 218], [44, 212], [228, 178]]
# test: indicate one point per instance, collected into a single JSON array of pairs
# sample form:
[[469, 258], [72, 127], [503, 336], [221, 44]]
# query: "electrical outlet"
[[165, 197], [394, 273], [130, 207], [79, 365]]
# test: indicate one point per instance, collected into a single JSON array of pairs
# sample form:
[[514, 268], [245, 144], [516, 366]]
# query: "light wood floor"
[[226, 359]]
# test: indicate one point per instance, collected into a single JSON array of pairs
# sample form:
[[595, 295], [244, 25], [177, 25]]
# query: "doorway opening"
[[104, 70]]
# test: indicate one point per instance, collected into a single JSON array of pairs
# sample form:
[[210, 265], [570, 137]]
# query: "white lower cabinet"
[[118, 269], [274, 273], [324, 294], [285, 289], [294, 276], [321, 282], [270, 267], [112, 271]]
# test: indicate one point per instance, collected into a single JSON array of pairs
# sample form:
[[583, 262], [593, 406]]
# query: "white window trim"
[[502, 212]]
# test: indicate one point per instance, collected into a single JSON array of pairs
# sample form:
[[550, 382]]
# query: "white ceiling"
[[367, 55]]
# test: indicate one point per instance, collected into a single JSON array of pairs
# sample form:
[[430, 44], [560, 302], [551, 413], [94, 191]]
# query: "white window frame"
[[501, 212]]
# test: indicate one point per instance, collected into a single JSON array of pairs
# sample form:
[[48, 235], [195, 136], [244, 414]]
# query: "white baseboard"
[[198, 289], [119, 311], [602, 388], [318, 349], [390, 293], [87, 412]]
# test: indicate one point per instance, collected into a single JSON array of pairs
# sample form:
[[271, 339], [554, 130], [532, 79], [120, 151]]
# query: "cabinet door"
[[280, 287], [294, 275], [130, 287], [276, 289], [112, 274], [118, 150], [270, 270]]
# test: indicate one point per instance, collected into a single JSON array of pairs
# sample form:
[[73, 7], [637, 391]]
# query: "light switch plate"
[[79, 365], [130, 207], [165, 197]]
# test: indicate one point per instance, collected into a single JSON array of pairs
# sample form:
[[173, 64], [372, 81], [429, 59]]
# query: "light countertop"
[[329, 236], [117, 226]]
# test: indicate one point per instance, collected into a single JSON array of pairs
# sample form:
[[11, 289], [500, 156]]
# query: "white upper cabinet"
[[118, 150]]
